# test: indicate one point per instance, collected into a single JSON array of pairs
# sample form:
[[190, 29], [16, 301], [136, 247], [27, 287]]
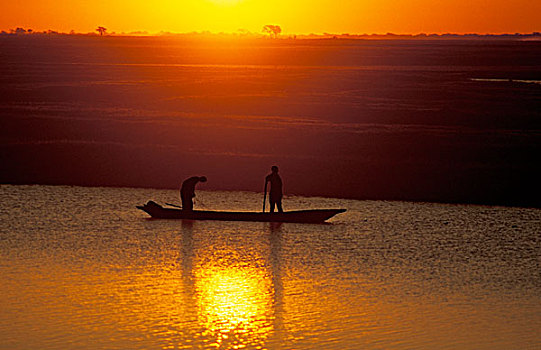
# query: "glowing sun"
[[225, 2]]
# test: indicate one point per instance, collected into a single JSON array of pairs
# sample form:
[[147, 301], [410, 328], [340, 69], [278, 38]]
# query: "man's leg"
[[187, 203], [279, 204], [272, 205]]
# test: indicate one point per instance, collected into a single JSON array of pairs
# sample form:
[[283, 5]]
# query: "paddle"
[[265, 196], [173, 205]]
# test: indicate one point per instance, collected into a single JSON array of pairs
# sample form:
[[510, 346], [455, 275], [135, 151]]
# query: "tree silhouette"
[[272, 30], [101, 30]]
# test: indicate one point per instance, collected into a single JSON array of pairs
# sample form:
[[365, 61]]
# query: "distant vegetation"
[[272, 30], [101, 30], [23, 31], [275, 31]]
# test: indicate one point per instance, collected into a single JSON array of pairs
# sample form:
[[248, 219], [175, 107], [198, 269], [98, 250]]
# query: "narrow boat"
[[156, 211]]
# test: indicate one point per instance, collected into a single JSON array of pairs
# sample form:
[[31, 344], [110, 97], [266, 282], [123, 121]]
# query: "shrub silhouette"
[[272, 30]]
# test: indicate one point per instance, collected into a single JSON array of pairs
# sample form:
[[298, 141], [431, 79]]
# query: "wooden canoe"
[[299, 216]]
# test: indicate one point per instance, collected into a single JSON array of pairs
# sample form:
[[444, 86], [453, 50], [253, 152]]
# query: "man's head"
[[202, 179], [274, 169]]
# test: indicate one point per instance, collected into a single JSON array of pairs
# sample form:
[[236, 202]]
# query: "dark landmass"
[[440, 120], [248, 35]]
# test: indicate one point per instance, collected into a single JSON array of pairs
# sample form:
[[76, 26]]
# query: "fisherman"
[[275, 192], [187, 191]]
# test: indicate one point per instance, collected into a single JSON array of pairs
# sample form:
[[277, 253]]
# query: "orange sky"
[[298, 17]]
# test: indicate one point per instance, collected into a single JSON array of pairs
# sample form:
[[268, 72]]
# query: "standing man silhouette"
[[187, 191], [275, 192]]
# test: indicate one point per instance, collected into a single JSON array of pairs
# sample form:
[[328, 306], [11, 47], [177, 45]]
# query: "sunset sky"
[[295, 17]]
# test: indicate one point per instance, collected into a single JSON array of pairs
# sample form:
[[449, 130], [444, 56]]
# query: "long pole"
[[265, 196], [174, 205]]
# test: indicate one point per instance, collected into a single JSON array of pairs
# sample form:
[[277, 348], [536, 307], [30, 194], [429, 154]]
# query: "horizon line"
[[20, 31]]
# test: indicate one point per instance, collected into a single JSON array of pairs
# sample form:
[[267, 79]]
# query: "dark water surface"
[[81, 268], [447, 121]]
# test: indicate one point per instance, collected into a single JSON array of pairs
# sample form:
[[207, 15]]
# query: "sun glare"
[[225, 2], [299, 17], [234, 304]]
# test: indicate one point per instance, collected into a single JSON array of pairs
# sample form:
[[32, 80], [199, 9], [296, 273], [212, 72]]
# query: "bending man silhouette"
[[187, 191], [275, 192]]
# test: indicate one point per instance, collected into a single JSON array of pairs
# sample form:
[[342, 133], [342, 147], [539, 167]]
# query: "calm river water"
[[81, 268]]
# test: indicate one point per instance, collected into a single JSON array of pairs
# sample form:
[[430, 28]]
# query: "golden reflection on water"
[[155, 285], [234, 303]]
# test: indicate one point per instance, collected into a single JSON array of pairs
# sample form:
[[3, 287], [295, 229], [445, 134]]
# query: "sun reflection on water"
[[234, 304]]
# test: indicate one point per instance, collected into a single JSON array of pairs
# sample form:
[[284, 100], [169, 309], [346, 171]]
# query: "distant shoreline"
[[534, 36]]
